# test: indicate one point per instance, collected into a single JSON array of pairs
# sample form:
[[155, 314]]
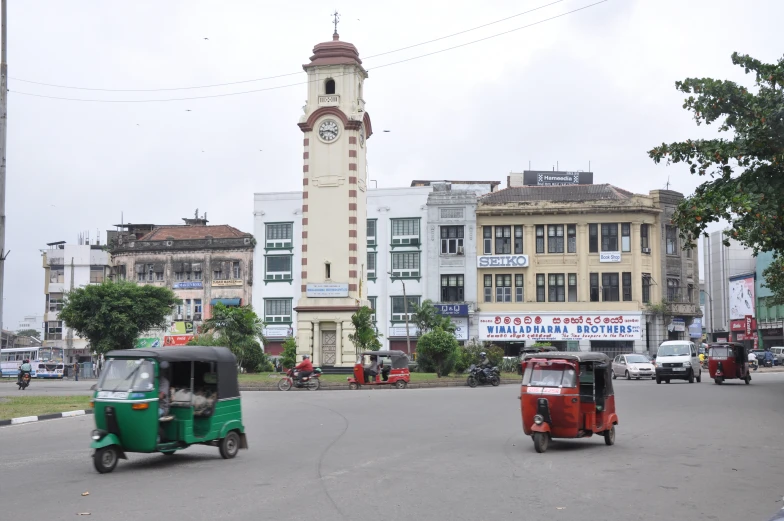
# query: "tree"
[[112, 315], [746, 173], [254, 359], [240, 328], [439, 347], [288, 358], [29, 332], [365, 337], [426, 318]]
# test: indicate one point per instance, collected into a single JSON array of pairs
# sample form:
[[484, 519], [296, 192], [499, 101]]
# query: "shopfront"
[[274, 336], [610, 333], [458, 313], [771, 337], [397, 338], [745, 332]]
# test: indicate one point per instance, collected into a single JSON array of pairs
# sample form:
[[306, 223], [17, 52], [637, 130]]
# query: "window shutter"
[[177, 266], [216, 265], [139, 267], [186, 266], [196, 266], [158, 267]]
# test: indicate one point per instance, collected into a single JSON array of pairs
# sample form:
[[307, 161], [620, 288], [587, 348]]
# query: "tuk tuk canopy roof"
[[178, 354], [391, 354], [224, 360], [570, 355]]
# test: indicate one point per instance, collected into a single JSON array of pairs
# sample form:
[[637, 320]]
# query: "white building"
[[420, 237], [32, 321], [721, 263], [67, 267]]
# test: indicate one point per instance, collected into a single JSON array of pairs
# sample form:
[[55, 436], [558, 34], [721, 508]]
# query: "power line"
[[290, 73], [206, 96]]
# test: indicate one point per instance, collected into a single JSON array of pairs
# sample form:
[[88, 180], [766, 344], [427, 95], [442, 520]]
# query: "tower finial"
[[335, 21]]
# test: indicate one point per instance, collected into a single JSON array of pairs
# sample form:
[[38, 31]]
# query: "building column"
[[316, 343], [636, 265], [338, 342], [529, 247], [583, 278]]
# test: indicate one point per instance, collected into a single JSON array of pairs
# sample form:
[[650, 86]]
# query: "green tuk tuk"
[[201, 407]]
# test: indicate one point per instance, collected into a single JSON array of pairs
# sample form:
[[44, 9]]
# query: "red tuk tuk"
[[728, 361], [567, 395], [392, 370]]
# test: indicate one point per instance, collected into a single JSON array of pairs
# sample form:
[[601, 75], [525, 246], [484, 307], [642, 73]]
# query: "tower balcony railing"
[[329, 100]]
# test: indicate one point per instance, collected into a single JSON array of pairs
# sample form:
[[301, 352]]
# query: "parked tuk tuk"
[[728, 361], [567, 395], [392, 369], [134, 412]]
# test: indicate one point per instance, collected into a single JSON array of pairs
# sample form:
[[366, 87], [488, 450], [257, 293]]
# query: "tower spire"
[[335, 21]]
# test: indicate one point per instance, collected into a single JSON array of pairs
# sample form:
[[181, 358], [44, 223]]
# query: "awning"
[[226, 301]]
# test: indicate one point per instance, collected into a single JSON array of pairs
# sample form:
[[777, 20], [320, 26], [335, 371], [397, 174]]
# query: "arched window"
[[329, 86]]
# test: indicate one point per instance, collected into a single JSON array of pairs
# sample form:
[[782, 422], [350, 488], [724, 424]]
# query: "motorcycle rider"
[[484, 364], [303, 369], [24, 368]]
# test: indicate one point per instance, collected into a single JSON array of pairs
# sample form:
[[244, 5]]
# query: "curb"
[[344, 387], [53, 416]]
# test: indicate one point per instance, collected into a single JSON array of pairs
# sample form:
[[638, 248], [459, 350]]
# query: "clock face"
[[362, 138], [328, 131]]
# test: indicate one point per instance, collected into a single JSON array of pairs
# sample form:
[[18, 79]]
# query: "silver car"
[[633, 366]]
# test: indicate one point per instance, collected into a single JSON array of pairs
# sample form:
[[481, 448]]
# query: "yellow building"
[[579, 266]]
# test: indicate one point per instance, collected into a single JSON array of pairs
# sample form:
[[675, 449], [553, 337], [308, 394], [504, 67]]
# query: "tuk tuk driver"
[[163, 390], [371, 371], [304, 368]]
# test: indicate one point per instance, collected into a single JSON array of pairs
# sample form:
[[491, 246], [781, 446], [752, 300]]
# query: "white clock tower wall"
[[335, 128]]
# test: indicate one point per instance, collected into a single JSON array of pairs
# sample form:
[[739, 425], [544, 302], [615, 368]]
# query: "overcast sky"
[[595, 85]]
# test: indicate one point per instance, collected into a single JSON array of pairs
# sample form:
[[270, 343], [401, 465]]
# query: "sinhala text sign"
[[559, 326]]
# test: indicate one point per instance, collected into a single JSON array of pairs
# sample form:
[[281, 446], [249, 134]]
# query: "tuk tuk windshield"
[[549, 376], [721, 352], [127, 375]]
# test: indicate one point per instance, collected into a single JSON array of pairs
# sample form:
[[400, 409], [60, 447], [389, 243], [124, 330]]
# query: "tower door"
[[328, 347]]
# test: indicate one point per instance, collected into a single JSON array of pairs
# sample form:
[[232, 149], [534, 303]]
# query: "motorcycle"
[[753, 365], [311, 383], [24, 382], [478, 375]]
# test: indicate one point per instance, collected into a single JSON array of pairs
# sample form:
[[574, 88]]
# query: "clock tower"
[[335, 131]]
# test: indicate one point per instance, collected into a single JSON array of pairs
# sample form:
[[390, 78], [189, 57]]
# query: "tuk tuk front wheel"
[[353, 386], [105, 459], [230, 445], [718, 381], [401, 384], [541, 440], [609, 436]]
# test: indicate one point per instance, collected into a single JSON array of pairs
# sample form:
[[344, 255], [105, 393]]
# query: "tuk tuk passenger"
[[371, 371], [163, 390]]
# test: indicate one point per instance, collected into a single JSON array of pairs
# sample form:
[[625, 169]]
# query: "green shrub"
[[288, 358], [439, 349]]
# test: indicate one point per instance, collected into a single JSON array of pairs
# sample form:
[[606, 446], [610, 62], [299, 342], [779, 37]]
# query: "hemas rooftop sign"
[[502, 261], [559, 326]]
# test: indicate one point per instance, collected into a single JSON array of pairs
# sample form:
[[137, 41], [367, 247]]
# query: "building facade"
[[204, 264], [67, 267], [33, 321], [583, 267], [722, 263], [769, 316]]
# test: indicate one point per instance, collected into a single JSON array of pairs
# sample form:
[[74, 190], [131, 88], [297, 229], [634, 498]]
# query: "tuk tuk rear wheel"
[[748, 379], [230, 445], [541, 440], [609, 436], [105, 459], [401, 384], [718, 381]]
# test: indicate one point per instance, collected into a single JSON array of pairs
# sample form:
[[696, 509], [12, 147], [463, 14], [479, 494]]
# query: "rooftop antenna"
[[589, 165], [335, 20], [667, 186]]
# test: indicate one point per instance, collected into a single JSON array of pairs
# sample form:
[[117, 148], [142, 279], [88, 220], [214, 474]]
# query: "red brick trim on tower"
[[352, 193], [352, 260], [352, 166], [352, 233], [352, 207], [352, 153], [352, 220], [305, 168]]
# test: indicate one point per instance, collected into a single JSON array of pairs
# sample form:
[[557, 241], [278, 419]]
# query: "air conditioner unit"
[[646, 250], [414, 242]]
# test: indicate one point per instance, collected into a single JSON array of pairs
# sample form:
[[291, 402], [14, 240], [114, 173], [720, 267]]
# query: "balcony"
[[330, 100]]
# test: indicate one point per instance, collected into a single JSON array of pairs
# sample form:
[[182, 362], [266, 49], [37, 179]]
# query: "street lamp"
[[710, 299], [405, 312]]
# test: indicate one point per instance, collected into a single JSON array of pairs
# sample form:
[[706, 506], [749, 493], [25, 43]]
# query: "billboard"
[[741, 297], [148, 342], [552, 178], [559, 326], [182, 327], [177, 340]]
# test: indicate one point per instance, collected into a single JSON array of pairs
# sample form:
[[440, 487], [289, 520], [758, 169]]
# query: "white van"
[[678, 360]]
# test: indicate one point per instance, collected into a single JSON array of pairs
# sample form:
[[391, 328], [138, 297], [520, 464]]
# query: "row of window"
[[406, 264], [57, 274], [155, 272], [506, 239], [278, 310], [189, 309]]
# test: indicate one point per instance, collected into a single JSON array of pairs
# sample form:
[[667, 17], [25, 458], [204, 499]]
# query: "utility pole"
[[3, 129]]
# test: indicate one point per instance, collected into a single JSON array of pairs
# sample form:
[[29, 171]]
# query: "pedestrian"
[[76, 371], [94, 367]]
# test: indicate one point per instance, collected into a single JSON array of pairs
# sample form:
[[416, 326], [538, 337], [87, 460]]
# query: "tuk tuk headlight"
[[98, 435], [538, 419]]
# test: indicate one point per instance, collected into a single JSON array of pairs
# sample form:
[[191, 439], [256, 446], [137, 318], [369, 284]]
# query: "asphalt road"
[[683, 452], [48, 387]]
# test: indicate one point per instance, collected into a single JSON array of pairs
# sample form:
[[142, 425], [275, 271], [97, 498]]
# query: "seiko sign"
[[502, 261]]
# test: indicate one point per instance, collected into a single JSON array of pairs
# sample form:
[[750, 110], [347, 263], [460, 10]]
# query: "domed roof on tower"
[[334, 52]]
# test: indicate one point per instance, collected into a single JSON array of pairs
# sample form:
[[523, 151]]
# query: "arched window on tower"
[[329, 86]]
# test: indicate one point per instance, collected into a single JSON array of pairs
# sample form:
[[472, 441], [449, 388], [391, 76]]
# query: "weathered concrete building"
[[584, 267], [203, 264]]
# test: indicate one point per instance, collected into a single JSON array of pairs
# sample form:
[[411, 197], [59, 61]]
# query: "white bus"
[[47, 362]]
